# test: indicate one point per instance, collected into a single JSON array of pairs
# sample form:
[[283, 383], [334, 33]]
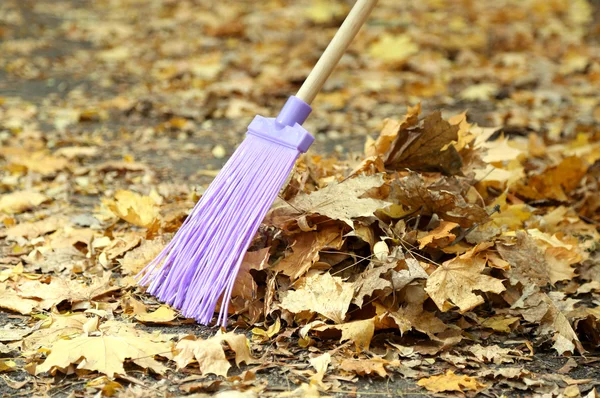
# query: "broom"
[[200, 264]]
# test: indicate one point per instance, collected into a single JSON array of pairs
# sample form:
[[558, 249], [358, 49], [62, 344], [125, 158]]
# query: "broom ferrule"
[[294, 111]]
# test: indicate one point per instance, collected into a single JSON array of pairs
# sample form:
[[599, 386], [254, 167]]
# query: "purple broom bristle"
[[200, 264]]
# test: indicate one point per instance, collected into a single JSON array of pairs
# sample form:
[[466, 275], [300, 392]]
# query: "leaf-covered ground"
[[441, 236]]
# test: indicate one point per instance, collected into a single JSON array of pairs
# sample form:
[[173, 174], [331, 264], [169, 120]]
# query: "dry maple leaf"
[[59, 290], [245, 286], [534, 262], [135, 260], [134, 208], [365, 366], [106, 352], [343, 200], [383, 145], [10, 300], [451, 382], [32, 230], [427, 147], [163, 314], [324, 294], [444, 197], [371, 281], [440, 235], [555, 182], [54, 328], [305, 251], [453, 283], [359, 332], [20, 201], [210, 354]]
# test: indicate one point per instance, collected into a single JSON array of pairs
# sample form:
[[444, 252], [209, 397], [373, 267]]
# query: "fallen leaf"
[[451, 382], [441, 235], [364, 367], [320, 363], [393, 48], [106, 353], [324, 294], [134, 208], [444, 197], [210, 354], [10, 300], [425, 148], [305, 251], [20, 201], [343, 201], [453, 283], [163, 314]]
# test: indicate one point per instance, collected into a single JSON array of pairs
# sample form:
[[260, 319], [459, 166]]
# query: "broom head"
[[200, 264]]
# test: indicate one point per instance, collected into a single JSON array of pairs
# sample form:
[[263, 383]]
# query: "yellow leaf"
[[265, 335], [209, 353], [163, 314], [320, 364], [322, 11], [9, 299], [393, 48], [20, 201], [324, 294], [365, 366], [500, 323], [107, 352], [451, 382], [441, 235], [455, 280], [6, 365], [134, 208]]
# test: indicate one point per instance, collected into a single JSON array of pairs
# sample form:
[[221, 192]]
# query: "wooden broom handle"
[[334, 51]]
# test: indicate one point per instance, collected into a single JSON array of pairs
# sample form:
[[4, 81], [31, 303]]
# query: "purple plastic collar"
[[286, 128]]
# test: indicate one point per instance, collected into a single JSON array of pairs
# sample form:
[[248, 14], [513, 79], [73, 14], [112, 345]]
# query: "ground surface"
[[170, 86]]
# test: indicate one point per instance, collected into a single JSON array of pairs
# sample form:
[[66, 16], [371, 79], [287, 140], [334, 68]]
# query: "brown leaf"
[[210, 354], [391, 128], [135, 260], [370, 281], [426, 147], [244, 286], [31, 230], [444, 197], [441, 235], [305, 251]]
